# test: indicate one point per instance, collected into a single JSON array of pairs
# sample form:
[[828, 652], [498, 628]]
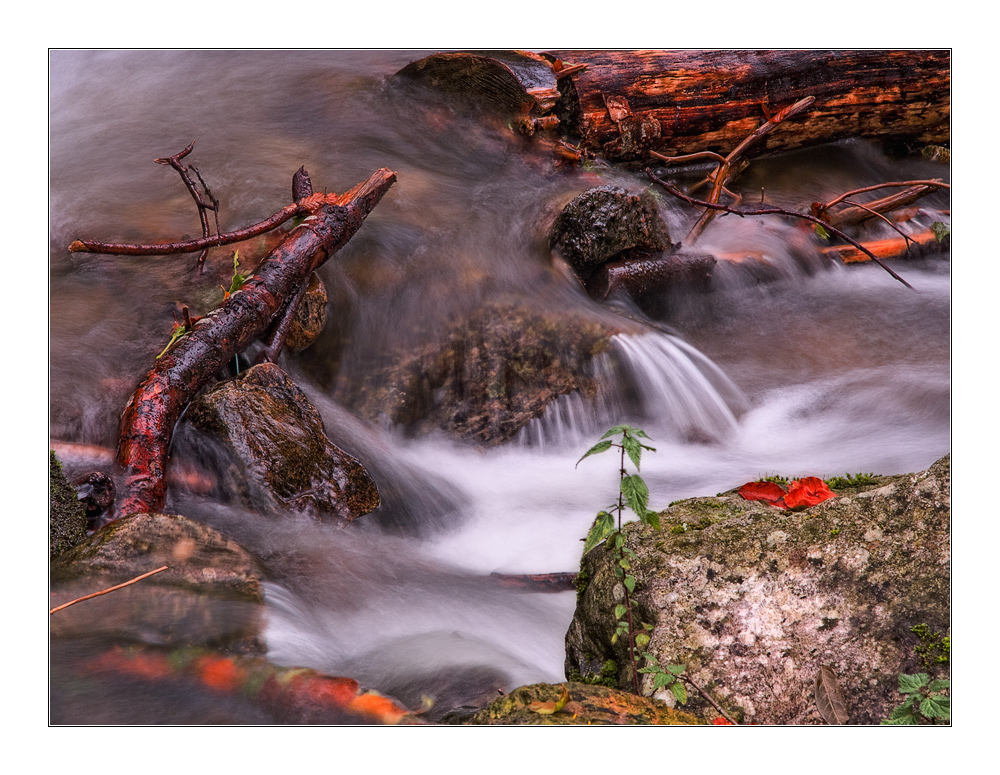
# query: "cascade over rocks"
[[496, 370], [755, 600], [278, 436]]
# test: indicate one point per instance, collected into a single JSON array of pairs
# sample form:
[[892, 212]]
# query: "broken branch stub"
[[150, 415]]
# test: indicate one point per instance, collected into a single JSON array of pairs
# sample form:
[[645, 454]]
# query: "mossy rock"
[[588, 705], [67, 516]]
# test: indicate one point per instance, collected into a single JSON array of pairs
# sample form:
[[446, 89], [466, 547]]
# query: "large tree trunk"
[[148, 419], [623, 104]]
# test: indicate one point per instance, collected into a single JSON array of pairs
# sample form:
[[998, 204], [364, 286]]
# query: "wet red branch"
[[148, 419]]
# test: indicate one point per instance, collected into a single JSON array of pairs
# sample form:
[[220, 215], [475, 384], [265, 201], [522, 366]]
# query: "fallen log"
[[623, 104], [212, 341]]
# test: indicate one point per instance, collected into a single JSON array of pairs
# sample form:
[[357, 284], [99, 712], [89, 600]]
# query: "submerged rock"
[[211, 592], [755, 600], [587, 704], [278, 436], [495, 371]]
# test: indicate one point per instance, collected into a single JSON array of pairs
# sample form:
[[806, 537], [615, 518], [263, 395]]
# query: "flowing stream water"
[[823, 371]]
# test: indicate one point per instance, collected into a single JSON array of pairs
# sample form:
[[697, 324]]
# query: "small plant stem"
[[713, 702], [105, 591], [628, 598]]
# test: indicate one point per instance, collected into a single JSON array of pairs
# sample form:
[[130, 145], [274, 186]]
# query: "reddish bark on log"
[[622, 104], [148, 419]]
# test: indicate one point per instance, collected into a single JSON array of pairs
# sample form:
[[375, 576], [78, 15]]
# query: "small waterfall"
[[656, 379]]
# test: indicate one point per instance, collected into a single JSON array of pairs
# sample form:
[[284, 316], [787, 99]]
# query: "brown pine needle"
[[105, 591]]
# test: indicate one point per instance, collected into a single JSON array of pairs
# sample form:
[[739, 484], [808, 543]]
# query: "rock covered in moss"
[[587, 704], [755, 600], [67, 516], [278, 436]]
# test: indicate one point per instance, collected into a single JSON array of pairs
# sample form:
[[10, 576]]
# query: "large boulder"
[[270, 426], [755, 600]]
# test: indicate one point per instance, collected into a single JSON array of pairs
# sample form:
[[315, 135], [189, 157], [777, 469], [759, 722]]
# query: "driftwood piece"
[[150, 414], [622, 104]]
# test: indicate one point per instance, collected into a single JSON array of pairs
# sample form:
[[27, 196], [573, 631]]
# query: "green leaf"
[[642, 640], [629, 582], [641, 433], [652, 519], [821, 232], [616, 430], [624, 563], [676, 669], [620, 611], [663, 679], [938, 685], [636, 494], [906, 719], [908, 684], [679, 691], [604, 525], [633, 449], [238, 279], [936, 706], [599, 447]]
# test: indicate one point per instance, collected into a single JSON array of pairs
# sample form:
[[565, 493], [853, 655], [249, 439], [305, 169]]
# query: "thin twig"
[[877, 214], [105, 591], [776, 211], [175, 162], [705, 695], [936, 182]]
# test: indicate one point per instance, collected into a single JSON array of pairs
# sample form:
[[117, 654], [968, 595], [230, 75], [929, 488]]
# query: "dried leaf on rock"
[[829, 698], [552, 706]]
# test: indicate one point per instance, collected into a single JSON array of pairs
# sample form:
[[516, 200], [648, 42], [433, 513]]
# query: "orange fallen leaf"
[[549, 707], [219, 673], [379, 707]]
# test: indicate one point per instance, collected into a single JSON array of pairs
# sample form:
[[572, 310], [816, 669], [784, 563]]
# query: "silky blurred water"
[[826, 370]]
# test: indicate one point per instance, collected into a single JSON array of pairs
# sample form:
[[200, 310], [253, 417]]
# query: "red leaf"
[[719, 721], [803, 493], [769, 492]]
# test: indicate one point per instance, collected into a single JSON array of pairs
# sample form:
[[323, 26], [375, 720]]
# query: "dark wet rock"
[[211, 592], [310, 317], [495, 371], [96, 491], [755, 600], [278, 436], [588, 704], [67, 517], [607, 223]]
